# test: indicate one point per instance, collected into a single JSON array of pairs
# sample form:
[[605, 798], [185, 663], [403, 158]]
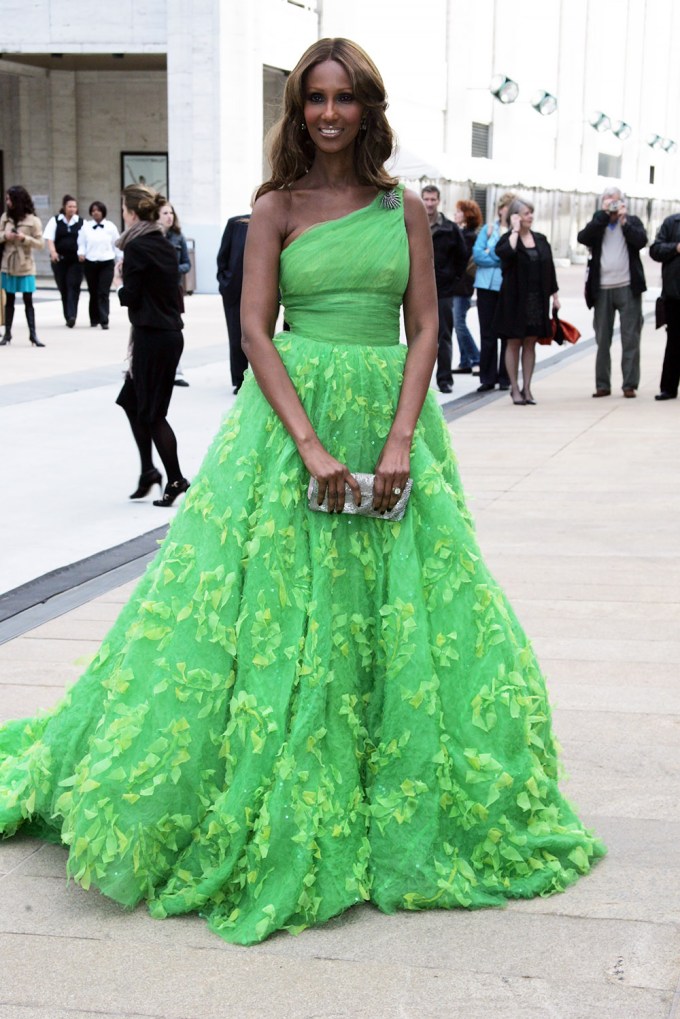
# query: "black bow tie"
[[100, 225]]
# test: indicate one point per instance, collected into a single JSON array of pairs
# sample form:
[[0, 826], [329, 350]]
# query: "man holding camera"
[[616, 282]]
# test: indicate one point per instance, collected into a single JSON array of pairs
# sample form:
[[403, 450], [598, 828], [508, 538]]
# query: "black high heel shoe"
[[172, 490], [146, 482]]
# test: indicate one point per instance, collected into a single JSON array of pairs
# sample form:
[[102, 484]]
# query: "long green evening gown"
[[296, 712]]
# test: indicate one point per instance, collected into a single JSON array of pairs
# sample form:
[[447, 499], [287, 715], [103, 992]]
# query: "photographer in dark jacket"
[[666, 249], [148, 287], [616, 282], [450, 260]]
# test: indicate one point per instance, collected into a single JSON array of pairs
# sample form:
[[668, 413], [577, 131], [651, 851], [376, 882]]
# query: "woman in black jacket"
[[148, 286], [529, 281]]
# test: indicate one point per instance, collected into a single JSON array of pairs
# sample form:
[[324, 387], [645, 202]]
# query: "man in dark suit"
[[450, 259], [230, 279]]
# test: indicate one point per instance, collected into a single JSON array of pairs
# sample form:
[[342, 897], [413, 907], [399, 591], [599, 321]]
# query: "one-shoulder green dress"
[[296, 712]]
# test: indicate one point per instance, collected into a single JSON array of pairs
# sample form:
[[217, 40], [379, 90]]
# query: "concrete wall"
[[62, 132], [83, 26]]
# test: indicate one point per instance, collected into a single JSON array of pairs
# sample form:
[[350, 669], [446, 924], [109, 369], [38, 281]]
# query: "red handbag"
[[561, 331]]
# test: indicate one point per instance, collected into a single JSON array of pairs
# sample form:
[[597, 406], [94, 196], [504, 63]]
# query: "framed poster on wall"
[[150, 168]]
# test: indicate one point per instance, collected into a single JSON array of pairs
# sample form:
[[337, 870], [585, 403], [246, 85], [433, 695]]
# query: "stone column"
[[214, 120], [63, 140]]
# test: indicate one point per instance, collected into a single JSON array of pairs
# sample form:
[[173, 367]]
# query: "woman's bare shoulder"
[[415, 216], [271, 211]]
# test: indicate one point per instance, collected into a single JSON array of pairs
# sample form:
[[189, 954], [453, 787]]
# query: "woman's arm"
[[30, 234], [184, 261], [131, 294], [259, 310], [483, 254], [421, 320], [513, 237], [505, 248], [49, 234]]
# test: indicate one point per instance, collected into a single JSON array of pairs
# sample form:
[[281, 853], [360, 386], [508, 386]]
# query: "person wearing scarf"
[[146, 280]]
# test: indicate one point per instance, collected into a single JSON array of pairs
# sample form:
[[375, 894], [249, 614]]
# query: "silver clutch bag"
[[366, 482]]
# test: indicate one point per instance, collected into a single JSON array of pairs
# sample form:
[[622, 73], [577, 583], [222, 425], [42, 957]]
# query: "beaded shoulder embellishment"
[[391, 199]]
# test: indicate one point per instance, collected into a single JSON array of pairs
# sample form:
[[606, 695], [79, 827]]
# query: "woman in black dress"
[[148, 288], [529, 282]]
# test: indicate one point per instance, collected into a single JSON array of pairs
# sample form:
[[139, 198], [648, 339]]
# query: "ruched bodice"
[[332, 298]]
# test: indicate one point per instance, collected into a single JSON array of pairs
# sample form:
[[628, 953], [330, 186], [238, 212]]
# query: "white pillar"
[[214, 119]]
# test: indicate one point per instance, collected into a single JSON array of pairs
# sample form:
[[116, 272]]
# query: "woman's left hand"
[[556, 303], [118, 273], [391, 474]]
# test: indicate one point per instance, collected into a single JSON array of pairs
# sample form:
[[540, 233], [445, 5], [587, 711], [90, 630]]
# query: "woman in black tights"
[[147, 287], [21, 235]]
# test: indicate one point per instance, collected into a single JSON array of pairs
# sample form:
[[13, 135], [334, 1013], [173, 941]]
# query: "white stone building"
[[82, 84]]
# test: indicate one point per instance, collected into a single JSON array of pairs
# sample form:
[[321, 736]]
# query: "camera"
[[614, 206]]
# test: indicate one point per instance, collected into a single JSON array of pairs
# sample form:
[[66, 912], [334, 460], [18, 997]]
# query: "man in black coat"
[[666, 249], [616, 282], [230, 279], [450, 260]]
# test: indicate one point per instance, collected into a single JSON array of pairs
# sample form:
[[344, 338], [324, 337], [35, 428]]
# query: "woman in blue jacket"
[[488, 281]]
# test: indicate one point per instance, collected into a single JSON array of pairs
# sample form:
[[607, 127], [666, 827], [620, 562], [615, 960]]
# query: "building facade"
[[182, 95]]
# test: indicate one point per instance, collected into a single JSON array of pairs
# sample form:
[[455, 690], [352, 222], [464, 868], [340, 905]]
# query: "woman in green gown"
[[299, 711]]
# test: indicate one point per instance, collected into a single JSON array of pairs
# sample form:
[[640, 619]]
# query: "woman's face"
[[71, 209], [459, 217], [8, 201], [503, 214], [332, 114], [129, 217], [166, 217], [526, 217], [97, 214]]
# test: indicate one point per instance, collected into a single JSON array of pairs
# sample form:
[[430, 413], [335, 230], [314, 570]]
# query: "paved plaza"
[[576, 502]]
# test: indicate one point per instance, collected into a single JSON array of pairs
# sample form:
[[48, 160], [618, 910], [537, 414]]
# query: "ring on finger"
[[396, 490]]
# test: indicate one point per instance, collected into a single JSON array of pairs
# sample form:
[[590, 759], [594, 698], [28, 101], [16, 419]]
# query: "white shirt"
[[96, 240], [50, 231]]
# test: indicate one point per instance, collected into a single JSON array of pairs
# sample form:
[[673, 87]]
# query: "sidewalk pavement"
[[68, 458], [576, 506]]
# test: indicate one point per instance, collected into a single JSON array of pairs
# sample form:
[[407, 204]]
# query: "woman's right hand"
[[515, 222], [331, 475]]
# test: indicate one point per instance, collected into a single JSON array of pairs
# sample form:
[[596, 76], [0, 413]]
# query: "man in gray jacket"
[[616, 282]]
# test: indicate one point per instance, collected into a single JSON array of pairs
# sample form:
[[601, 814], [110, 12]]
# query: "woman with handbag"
[[300, 711], [529, 284], [468, 218], [20, 234]]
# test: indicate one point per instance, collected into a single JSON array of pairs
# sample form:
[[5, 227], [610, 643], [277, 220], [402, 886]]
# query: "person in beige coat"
[[20, 233]]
